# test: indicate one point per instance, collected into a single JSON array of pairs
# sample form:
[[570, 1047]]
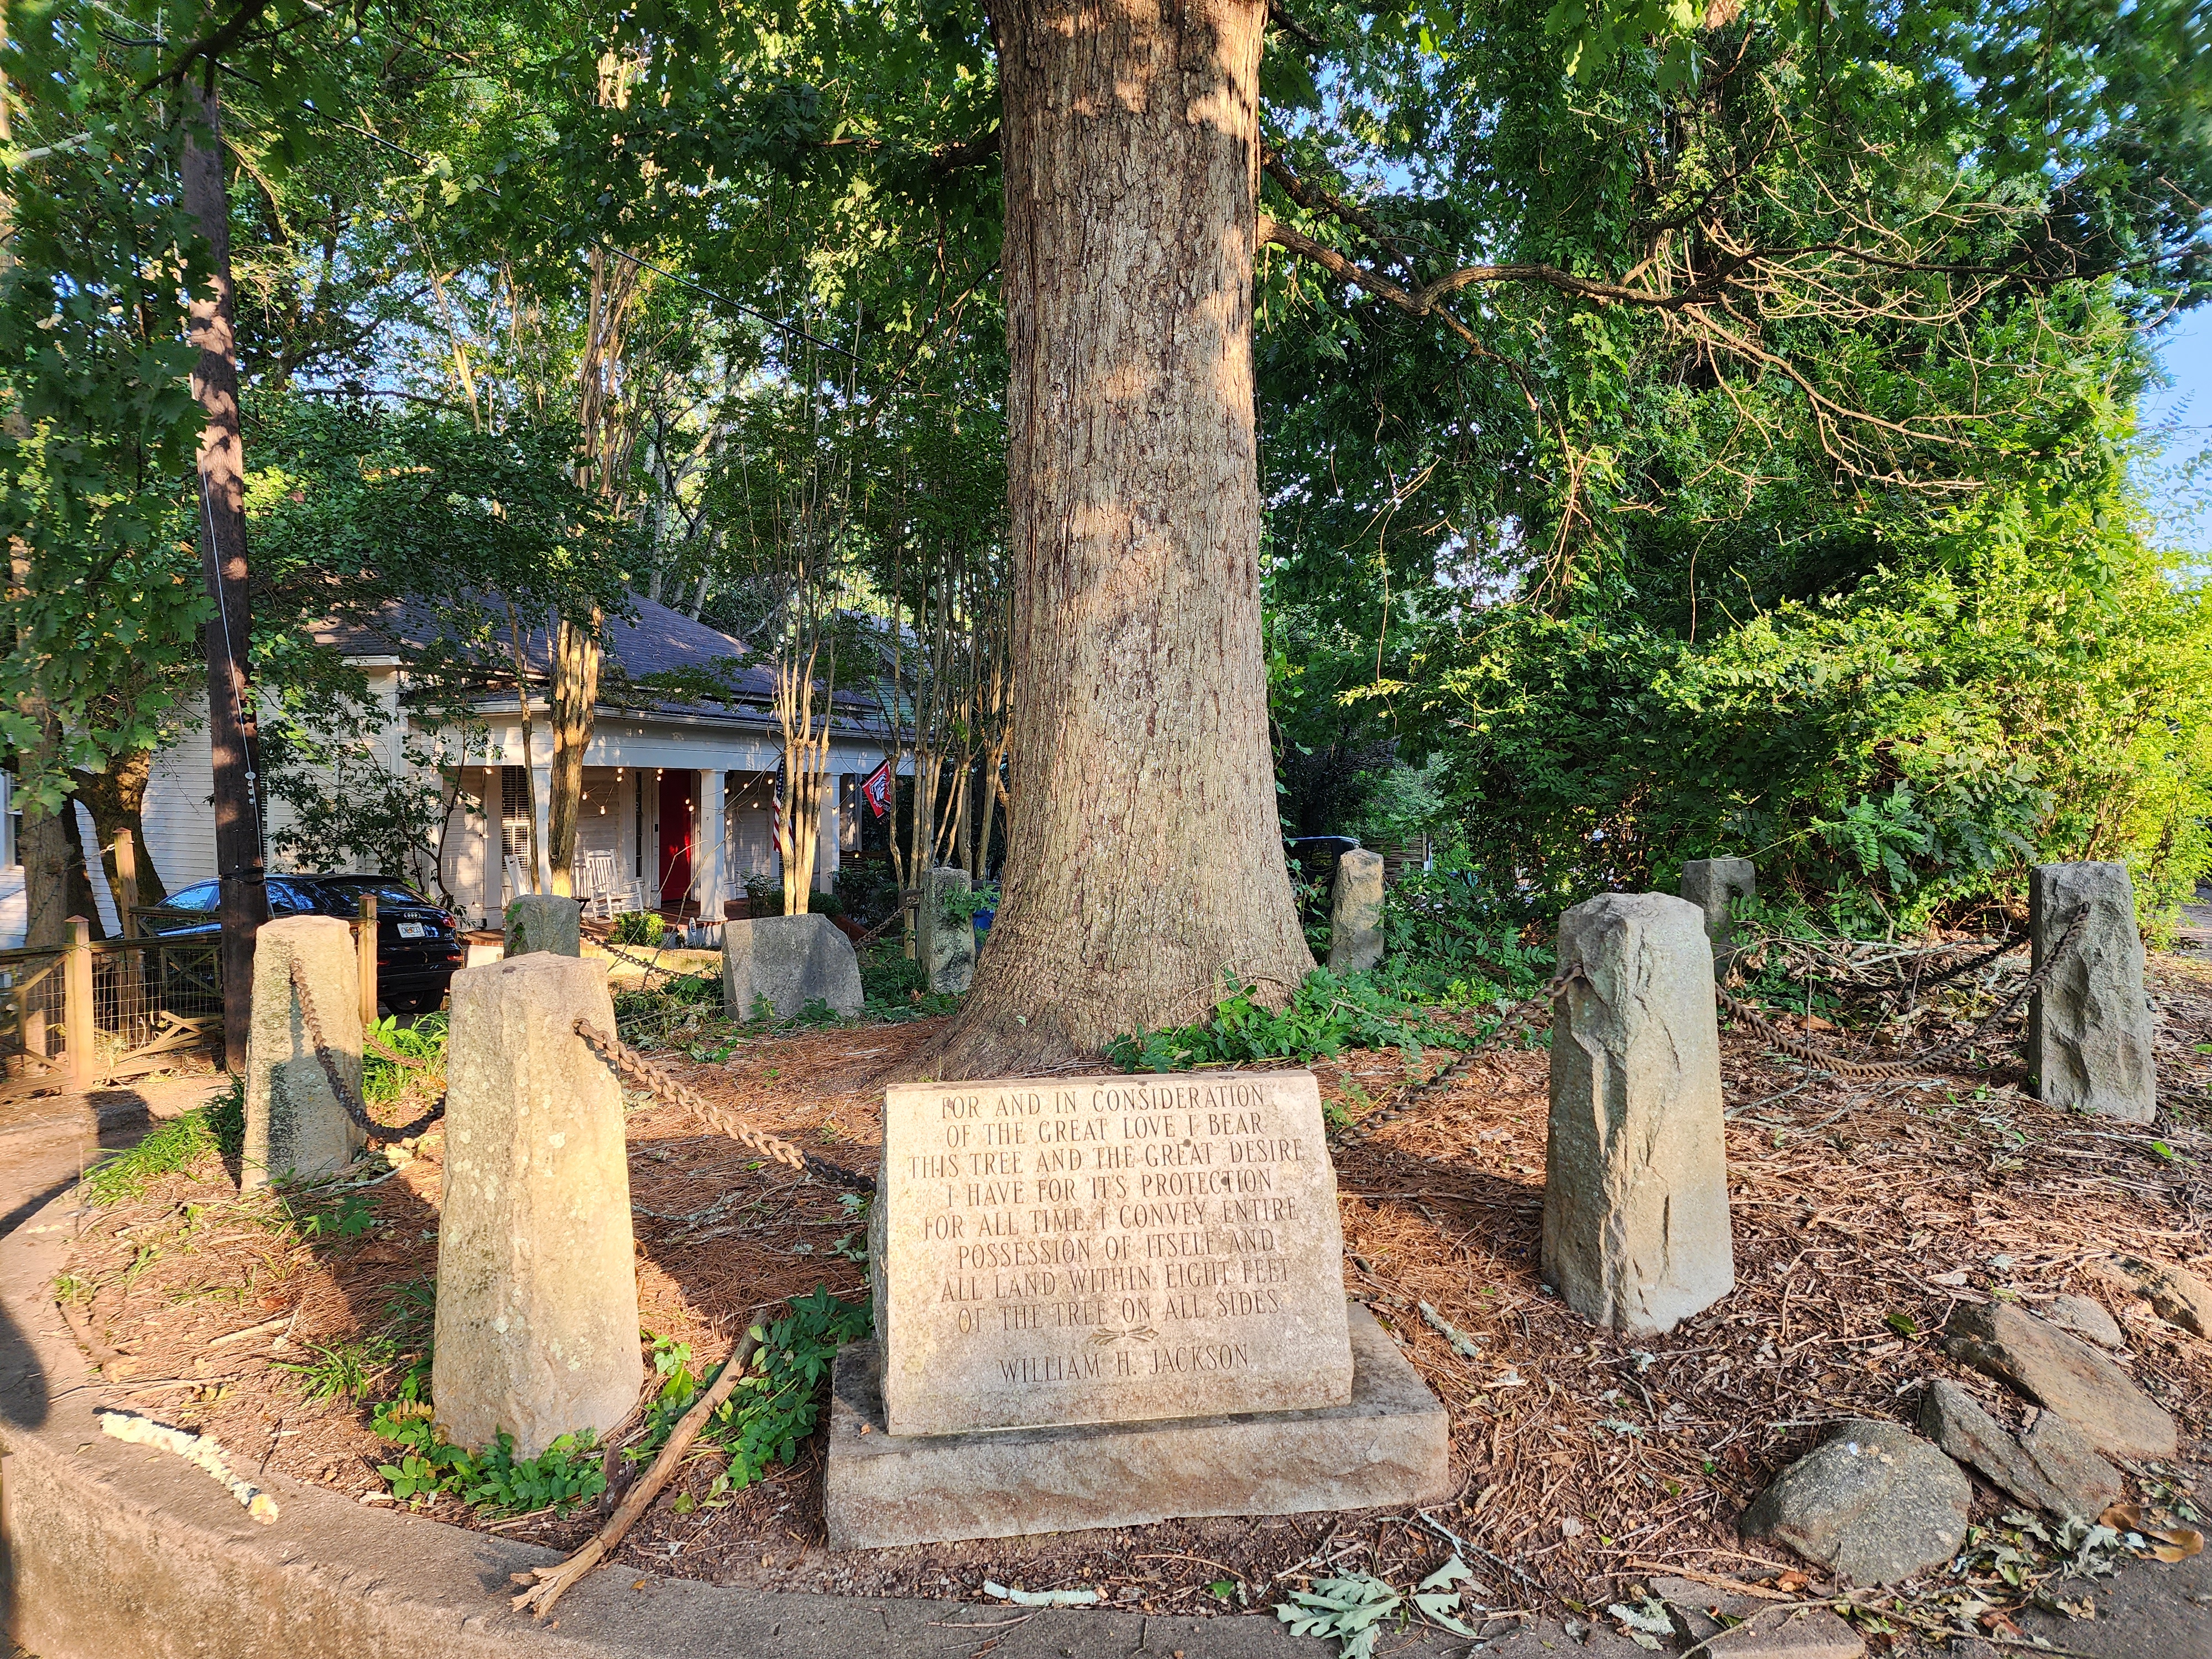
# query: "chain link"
[[383, 1050], [1572, 974], [346, 1097], [626, 1061]]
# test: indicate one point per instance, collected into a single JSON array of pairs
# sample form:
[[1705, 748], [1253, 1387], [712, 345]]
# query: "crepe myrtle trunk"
[[1144, 867]]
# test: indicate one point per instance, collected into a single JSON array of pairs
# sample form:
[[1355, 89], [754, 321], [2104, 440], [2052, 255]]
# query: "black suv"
[[417, 946]]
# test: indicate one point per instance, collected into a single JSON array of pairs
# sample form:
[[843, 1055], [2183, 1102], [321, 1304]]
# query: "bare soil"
[[1864, 1211]]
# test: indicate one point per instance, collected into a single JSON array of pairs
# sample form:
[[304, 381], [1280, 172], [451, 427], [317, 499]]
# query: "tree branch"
[[211, 47]]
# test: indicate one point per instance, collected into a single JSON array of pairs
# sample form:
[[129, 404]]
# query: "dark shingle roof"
[[653, 639]]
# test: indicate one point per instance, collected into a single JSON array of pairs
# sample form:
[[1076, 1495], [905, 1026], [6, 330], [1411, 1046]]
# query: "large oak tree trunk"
[[1144, 867]]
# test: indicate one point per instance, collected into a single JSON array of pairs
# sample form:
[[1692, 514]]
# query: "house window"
[[514, 814]]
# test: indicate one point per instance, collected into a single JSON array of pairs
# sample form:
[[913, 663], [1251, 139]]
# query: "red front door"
[[675, 836]]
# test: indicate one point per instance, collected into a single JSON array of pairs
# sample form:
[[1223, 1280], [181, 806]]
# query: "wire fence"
[[107, 1009]]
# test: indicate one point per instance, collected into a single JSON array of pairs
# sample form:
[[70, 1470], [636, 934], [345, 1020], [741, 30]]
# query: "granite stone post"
[[948, 941], [543, 921], [1710, 884], [294, 1125], [1355, 913], [2089, 1028], [537, 1318], [1636, 1211]]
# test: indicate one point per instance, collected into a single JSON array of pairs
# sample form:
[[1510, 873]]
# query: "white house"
[[680, 792]]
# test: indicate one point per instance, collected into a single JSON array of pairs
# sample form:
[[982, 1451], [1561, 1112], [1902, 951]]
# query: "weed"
[[766, 1417], [340, 1368], [349, 1217], [382, 1080], [172, 1148], [566, 1474], [1326, 1015]]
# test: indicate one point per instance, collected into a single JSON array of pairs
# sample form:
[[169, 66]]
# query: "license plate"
[[412, 930]]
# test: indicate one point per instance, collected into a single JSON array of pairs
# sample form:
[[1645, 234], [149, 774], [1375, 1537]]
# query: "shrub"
[[1325, 1016], [639, 928]]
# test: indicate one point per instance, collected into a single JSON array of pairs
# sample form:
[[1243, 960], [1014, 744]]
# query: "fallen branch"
[[546, 1585]]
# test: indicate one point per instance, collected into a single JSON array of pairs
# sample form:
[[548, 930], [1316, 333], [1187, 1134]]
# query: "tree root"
[[546, 1585]]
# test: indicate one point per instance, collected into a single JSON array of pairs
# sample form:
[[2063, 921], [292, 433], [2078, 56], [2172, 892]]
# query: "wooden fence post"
[[77, 1025], [127, 878], [365, 944]]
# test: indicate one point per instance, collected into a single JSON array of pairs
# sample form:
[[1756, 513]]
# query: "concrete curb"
[[108, 1549]]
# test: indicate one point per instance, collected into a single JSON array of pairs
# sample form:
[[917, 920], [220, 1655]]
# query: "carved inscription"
[[1107, 1249]]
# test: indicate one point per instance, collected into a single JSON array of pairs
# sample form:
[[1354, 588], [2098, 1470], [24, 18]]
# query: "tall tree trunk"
[[116, 800], [43, 851], [1146, 868], [232, 743], [576, 692]]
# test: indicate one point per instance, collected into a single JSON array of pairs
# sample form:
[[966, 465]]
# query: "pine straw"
[[1851, 1199]]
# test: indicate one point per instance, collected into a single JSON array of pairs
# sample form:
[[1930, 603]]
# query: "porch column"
[[709, 834], [825, 854]]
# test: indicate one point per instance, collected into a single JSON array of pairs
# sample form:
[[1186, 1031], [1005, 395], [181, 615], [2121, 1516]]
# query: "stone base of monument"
[[1386, 1449]]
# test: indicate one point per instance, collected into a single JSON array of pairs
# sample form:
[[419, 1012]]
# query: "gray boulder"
[[1754, 1628], [790, 960], [2063, 1374], [2086, 1318], [1873, 1502], [2089, 1028], [2064, 1457], [1355, 913], [2180, 1297], [1635, 1205], [2054, 1469], [1710, 884], [543, 921]]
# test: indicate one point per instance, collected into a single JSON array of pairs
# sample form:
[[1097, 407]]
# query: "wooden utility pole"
[[232, 747]]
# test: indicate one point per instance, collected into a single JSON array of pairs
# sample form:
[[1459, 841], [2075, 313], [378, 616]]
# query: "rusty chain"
[[1813, 1054], [626, 1061], [346, 1097], [1352, 1135], [384, 1051]]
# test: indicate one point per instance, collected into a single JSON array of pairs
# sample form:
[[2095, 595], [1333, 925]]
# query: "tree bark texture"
[[232, 745], [575, 695], [1145, 870]]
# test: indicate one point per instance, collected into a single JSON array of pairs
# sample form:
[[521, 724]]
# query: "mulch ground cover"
[[1864, 1211]]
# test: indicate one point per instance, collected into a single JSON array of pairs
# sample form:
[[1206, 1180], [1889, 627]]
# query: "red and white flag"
[[877, 789]]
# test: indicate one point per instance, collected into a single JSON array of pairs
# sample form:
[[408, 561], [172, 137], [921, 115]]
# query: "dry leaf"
[[2167, 1543], [1791, 1580]]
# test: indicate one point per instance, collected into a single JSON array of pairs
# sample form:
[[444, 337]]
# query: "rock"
[[2086, 1318], [1710, 884], [1386, 1446], [1636, 1204], [2060, 1471], [294, 1125], [947, 942], [1355, 913], [1773, 1631], [2064, 1457], [2089, 1029], [543, 921], [2180, 1297], [1874, 1502], [537, 1318], [1206, 1277], [2064, 1374], [790, 960]]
